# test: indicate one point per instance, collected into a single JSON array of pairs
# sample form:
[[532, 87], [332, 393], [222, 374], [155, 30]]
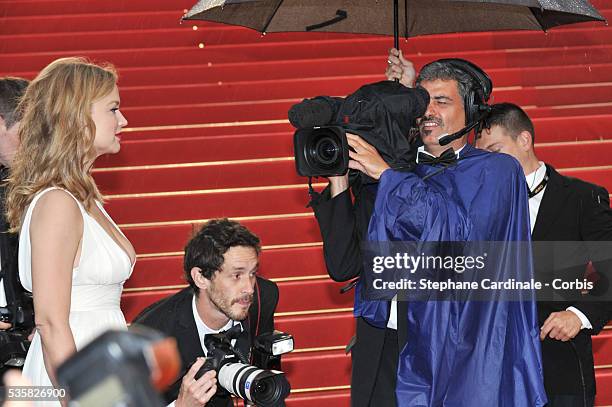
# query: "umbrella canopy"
[[414, 17]]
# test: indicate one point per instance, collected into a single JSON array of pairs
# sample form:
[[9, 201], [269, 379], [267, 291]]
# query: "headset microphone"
[[449, 138]]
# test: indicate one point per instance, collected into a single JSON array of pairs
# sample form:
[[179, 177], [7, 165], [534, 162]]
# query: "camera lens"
[[321, 151], [324, 151], [270, 388], [265, 388], [327, 150], [261, 388]]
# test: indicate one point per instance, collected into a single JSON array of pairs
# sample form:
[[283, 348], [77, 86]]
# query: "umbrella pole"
[[396, 24]]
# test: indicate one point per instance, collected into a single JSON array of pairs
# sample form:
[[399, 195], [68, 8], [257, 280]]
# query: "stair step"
[[313, 331], [139, 209], [173, 35], [88, 22], [258, 110], [307, 370], [308, 87], [320, 399], [195, 178], [177, 35], [192, 132], [578, 154], [199, 145], [300, 50], [193, 74], [530, 76], [274, 231], [602, 348], [601, 177], [167, 271], [295, 296], [12, 8], [603, 378], [555, 129], [570, 110]]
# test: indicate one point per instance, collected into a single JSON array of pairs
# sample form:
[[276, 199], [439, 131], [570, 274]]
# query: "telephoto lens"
[[265, 388]]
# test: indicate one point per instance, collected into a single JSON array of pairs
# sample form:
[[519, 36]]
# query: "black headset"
[[475, 101]]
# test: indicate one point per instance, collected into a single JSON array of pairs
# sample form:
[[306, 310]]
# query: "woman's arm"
[[55, 234]]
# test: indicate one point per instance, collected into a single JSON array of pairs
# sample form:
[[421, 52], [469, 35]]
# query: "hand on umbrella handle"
[[400, 68]]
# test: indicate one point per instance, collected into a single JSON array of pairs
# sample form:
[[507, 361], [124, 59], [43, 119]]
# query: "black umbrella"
[[418, 17]]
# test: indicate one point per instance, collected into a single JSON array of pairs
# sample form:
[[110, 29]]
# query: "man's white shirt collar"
[[534, 178], [422, 150], [204, 330]]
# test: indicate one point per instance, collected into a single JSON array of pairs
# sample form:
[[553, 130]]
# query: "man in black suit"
[[224, 293], [562, 209], [11, 292], [15, 303], [374, 351]]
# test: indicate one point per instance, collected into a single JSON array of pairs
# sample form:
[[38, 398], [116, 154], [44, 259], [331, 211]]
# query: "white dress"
[[97, 283]]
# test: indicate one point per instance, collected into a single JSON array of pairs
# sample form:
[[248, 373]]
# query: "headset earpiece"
[[475, 102]]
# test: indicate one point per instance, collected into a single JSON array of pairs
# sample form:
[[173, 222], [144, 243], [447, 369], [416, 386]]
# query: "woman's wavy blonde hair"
[[57, 134]]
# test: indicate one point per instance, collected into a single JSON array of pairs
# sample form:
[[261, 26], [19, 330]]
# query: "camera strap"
[[311, 190]]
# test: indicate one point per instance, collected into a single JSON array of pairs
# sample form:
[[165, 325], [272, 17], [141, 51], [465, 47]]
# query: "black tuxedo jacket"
[[174, 317], [343, 225], [15, 294], [571, 211]]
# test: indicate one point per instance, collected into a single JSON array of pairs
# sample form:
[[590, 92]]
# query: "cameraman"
[[12, 297], [224, 293]]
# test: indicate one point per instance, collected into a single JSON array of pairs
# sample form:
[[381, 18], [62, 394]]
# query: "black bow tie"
[[234, 332], [447, 158]]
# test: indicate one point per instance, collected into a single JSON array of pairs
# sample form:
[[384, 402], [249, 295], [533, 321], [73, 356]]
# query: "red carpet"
[[208, 137]]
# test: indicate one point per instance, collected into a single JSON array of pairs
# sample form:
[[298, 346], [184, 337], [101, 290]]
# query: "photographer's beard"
[[236, 309]]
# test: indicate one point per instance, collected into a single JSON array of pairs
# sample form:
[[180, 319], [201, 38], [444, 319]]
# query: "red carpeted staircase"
[[208, 137]]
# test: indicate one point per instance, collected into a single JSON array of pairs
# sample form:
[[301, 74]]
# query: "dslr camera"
[[14, 342], [264, 385], [382, 113], [120, 368]]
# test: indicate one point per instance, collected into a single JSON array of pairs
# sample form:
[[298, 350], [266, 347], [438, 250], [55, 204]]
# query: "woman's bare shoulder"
[[57, 206]]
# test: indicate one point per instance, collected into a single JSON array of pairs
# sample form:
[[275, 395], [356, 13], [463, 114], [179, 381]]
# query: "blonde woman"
[[72, 256]]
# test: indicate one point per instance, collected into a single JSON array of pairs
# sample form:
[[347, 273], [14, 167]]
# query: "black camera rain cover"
[[383, 114]]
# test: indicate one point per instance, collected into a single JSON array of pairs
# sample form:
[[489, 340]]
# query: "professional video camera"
[[14, 342], [265, 388], [121, 368], [382, 113]]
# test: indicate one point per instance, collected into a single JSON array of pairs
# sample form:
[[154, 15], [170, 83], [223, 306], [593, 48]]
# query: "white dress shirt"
[[422, 150], [533, 180], [204, 330]]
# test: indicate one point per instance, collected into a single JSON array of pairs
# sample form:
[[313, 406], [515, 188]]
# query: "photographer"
[[224, 293], [440, 201], [13, 300]]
